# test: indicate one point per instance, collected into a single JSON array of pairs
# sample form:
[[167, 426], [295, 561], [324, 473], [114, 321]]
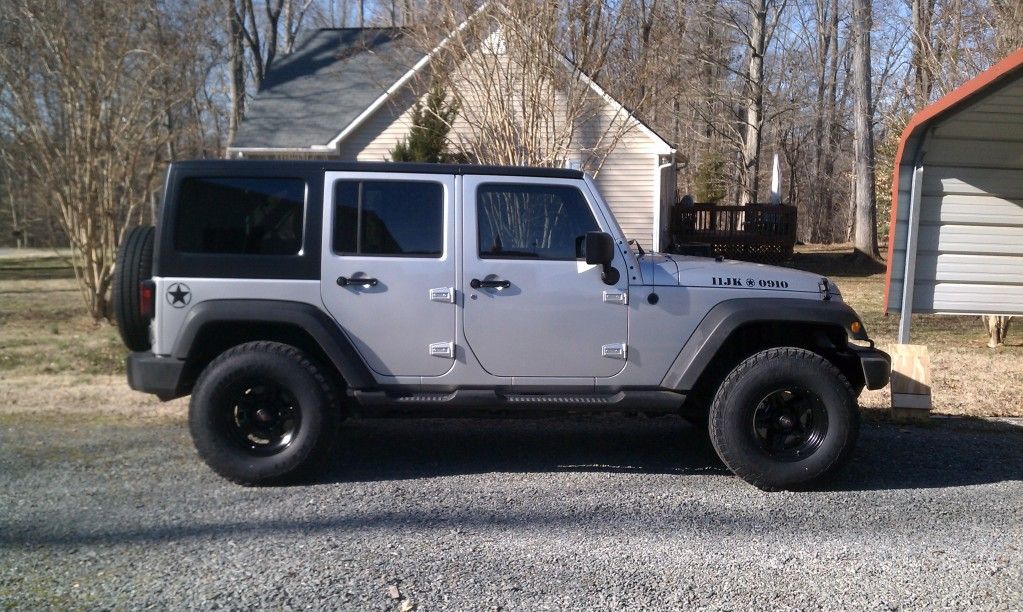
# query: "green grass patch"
[[35, 268]]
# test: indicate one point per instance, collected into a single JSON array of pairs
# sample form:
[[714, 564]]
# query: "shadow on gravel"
[[395, 449], [945, 453]]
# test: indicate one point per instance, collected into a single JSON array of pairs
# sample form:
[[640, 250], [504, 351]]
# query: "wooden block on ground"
[[911, 382]]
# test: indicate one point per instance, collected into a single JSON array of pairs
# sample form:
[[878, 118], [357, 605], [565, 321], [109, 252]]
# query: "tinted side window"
[[389, 218], [236, 215], [532, 221]]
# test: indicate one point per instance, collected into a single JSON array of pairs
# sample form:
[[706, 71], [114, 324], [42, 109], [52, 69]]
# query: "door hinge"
[[614, 351], [616, 297], [443, 349], [443, 294]]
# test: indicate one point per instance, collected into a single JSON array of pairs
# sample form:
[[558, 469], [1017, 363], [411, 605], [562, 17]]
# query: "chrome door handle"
[[489, 284], [343, 281]]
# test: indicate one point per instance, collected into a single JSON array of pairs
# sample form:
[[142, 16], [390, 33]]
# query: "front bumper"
[[876, 364], [161, 376]]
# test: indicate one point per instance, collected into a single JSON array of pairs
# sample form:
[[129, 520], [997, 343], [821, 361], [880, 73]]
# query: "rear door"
[[388, 268], [547, 313]]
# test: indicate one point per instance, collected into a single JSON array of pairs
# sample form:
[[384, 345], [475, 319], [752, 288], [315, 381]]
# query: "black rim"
[[791, 423], [260, 417]]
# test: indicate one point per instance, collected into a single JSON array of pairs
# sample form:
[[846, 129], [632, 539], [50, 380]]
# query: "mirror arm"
[[609, 274]]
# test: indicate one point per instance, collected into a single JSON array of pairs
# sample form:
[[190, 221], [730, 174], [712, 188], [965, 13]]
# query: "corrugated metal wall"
[[970, 249]]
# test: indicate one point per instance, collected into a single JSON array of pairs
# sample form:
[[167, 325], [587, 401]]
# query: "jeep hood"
[[689, 271]]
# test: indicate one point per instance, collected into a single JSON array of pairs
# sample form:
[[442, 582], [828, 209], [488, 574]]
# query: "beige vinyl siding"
[[970, 247], [627, 179], [382, 131]]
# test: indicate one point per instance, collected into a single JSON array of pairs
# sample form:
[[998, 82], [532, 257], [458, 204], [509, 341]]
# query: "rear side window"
[[532, 221], [241, 216], [389, 218]]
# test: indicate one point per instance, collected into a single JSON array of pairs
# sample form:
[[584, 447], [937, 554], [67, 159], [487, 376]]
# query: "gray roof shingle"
[[333, 75]]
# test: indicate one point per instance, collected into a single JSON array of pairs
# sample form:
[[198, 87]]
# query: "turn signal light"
[[855, 327]]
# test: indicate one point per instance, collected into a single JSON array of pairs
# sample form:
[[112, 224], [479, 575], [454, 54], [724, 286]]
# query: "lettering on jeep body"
[[734, 281], [726, 281]]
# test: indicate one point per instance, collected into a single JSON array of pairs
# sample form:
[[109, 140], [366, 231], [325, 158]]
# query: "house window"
[[388, 218], [241, 216], [532, 221]]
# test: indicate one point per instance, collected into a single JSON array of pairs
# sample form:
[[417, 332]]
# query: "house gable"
[[330, 79]]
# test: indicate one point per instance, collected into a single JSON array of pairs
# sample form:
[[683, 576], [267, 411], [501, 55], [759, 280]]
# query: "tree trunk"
[[865, 220], [236, 66], [997, 328], [923, 79], [823, 195], [750, 175]]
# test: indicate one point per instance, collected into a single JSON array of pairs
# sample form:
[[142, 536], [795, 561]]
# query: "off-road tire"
[[732, 418], [315, 395], [134, 264]]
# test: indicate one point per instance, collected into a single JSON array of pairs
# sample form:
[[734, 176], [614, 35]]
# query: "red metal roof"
[[976, 86]]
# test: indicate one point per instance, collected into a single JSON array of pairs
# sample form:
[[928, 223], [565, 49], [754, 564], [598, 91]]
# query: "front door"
[[388, 268], [533, 307]]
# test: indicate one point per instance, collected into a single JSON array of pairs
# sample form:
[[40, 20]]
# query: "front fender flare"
[[724, 318]]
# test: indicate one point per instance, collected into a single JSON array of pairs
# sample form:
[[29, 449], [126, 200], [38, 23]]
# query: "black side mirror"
[[600, 251]]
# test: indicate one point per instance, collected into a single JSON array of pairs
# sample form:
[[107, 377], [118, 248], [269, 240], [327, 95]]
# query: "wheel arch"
[[736, 329], [214, 326]]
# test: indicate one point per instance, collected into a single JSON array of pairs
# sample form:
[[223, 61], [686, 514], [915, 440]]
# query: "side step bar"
[[509, 401]]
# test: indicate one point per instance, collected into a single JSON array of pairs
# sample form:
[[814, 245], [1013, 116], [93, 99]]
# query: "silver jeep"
[[286, 295]]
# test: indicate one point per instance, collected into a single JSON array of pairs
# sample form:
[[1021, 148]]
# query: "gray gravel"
[[523, 515]]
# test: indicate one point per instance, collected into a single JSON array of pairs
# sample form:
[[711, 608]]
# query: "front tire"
[[262, 412], [784, 418]]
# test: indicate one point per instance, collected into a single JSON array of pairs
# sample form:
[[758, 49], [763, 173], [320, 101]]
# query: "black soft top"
[[262, 167]]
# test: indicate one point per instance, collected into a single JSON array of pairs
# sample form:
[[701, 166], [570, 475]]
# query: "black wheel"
[[262, 412], [134, 264], [784, 418]]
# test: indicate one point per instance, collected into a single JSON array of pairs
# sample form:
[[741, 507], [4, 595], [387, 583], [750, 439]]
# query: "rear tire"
[[134, 264], [784, 418], [262, 412]]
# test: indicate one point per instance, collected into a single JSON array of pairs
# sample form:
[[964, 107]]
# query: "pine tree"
[[428, 137]]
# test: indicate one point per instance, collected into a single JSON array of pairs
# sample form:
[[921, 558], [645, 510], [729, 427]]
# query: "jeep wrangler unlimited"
[[285, 295]]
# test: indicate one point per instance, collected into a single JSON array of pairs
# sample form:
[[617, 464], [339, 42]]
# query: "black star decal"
[[178, 295], [750, 282]]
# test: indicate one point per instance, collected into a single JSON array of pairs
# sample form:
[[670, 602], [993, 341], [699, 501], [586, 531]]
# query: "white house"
[[348, 94]]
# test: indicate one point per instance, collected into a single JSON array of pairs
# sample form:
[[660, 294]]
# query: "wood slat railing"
[[757, 232]]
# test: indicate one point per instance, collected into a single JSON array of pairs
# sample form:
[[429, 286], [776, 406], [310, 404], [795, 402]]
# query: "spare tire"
[[134, 265]]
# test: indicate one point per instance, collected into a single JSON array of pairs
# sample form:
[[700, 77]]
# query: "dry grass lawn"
[[53, 358], [967, 377]]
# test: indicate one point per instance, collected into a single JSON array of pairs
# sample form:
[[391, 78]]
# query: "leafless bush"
[[92, 91]]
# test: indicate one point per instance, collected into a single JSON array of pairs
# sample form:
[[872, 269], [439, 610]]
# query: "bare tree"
[[86, 109], [756, 40], [236, 66], [865, 234], [521, 79], [922, 60], [1007, 25], [256, 34]]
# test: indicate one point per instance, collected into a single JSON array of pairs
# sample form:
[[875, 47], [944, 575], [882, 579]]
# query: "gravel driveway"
[[525, 515]]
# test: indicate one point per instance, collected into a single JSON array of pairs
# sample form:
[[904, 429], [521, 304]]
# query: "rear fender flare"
[[320, 326]]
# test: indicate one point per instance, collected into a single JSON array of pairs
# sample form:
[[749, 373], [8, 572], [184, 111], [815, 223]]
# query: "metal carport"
[[956, 237]]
